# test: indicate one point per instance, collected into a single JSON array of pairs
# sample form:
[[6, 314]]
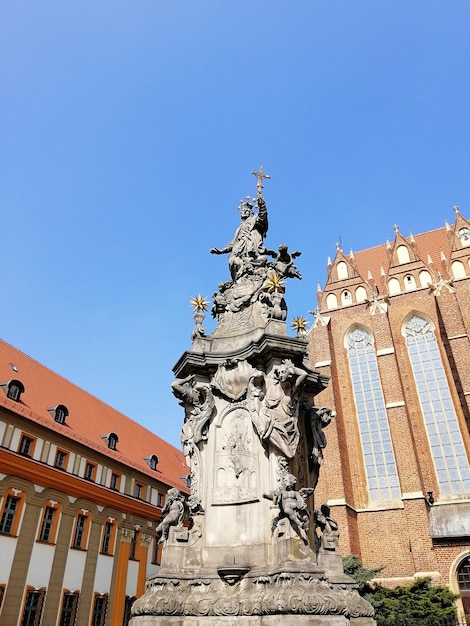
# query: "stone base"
[[255, 620], [247, 597], [264, 620]]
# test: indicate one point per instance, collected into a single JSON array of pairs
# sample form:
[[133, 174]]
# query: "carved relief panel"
[[235, 467]]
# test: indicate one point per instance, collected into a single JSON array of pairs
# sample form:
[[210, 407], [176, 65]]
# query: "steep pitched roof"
[[431, 243], [88, 420]]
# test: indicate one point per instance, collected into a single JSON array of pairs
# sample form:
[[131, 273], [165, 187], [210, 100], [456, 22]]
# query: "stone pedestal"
[[253, 441]]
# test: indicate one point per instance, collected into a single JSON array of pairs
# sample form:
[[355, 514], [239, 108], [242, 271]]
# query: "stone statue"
[[246, 248], [278, 418], [317, 418], [292, 505], [284, 262], [240, 549], [328, 537], [198, 402], [174, 512]]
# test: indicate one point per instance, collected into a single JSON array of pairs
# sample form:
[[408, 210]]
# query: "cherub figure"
[[284, 262], [293, 505], [174, 511]]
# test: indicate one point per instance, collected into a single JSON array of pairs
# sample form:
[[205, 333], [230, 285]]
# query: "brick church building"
[[392, 330]]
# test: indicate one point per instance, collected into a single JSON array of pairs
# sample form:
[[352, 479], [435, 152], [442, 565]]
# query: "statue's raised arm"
[[246, 249]]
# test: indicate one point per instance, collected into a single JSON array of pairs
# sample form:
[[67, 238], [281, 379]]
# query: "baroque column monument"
[[247, 548]]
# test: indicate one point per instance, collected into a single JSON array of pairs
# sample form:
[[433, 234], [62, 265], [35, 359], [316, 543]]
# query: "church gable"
[[344, 285], [459, 237], [407, 268]]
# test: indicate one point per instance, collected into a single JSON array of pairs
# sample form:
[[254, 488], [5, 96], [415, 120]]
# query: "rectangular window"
[[115, 481], [135, 538], [90, 469], [127, 610], [60, 459], [160, 500], [33, 607], [8, 515], [138, 490], [107, 534], [100, 607], [79, 533], [47, 523], [14, 392], [26, 445], [68, 613]]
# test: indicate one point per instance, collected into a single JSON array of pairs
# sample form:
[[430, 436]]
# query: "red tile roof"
[[373, 259], [88, 418]]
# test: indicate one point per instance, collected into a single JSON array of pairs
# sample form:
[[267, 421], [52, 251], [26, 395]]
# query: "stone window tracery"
[[440, 419], [379, 459]]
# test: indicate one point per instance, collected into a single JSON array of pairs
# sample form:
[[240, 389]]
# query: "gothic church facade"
[[392, 330]]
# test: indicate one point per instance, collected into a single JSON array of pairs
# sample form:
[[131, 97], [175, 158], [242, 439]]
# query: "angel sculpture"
[[293, 505], [174, 512]]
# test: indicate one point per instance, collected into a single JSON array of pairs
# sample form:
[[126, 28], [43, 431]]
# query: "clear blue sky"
[[128, 131]]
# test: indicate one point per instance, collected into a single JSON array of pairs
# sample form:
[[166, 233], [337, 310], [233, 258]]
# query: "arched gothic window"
[[442, 427], [361, 294], [463, 577], [410, 283], [381, 471], [331, 301], [403, 254], [342, 270], [458, 269], [394, 286], [425, 278]]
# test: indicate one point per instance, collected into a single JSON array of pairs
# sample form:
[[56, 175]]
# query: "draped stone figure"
[[246, 249], [280, 407]]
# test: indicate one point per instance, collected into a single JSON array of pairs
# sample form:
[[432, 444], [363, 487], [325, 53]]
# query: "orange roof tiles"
[[373, 259], [88, 418]]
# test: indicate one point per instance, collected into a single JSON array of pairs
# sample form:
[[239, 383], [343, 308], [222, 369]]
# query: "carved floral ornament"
[[297, 593]]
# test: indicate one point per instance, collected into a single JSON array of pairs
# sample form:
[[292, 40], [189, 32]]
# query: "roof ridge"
[[380, 245], [69, 382]]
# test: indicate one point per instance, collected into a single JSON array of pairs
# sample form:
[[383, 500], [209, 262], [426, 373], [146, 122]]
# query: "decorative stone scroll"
[[267, 594]]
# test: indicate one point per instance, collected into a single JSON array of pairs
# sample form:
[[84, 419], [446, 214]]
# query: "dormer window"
[[59, 413], [13, 389], [152, 461], [111, 439]]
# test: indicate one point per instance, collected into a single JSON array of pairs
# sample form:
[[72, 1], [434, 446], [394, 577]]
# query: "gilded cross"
[[260, 176]]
